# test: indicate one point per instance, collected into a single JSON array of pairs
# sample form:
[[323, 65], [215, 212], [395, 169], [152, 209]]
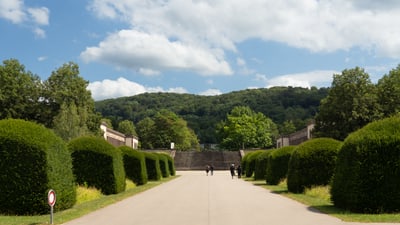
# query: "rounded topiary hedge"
[[98, 164], [261, 163], [153, 166], [171, 165], [367, 175], [277, 166], [134, 164], [164, 165], [312, 163], [33, 160], [250, 162]]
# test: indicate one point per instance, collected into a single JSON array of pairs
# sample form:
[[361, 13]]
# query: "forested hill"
[[203, 112]]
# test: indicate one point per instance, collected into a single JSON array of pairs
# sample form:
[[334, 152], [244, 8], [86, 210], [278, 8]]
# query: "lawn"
[[319, 198], [88, 200]]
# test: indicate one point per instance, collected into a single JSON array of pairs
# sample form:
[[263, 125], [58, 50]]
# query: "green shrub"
[[32, 161], [163, 164], [367, 175], [251, 162], [261, 163], [277, 166], [134, 164], [152, 166], [171, 165], [98, 164], [312, 163]]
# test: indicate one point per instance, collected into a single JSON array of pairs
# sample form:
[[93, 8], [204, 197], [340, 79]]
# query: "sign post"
[[51, 198]]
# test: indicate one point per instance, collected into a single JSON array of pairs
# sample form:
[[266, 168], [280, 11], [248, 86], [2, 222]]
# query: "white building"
[[117, 138]]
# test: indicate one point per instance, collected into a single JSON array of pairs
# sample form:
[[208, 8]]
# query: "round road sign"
[[51, 197]]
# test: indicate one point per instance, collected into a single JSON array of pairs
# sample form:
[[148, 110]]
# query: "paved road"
[[197, 199]]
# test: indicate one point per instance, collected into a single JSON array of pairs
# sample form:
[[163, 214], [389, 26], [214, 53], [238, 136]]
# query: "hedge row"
[[312, 163], [367, 176], [34, 160]]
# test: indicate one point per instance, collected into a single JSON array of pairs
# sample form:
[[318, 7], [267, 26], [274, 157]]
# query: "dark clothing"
[[232, 169], [239, 171]]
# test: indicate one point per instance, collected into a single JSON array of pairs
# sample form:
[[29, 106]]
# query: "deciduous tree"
[[351, 103]]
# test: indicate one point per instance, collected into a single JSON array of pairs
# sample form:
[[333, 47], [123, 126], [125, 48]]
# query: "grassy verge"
[[88, 200], [319, 198]]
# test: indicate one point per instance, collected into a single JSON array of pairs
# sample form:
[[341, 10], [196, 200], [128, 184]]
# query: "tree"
[[163, 129], [389, 92], [20, 91], [351, 103], [145, 130], [67, 123], [66, 86], [127, 127], [288, 127], [246, 129]]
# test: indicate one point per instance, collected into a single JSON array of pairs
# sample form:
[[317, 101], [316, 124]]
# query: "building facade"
[[117, 138], [296, 137]]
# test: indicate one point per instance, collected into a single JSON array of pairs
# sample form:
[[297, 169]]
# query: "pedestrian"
[[239, 171], [232, 168], [212, 170], [207, 169]]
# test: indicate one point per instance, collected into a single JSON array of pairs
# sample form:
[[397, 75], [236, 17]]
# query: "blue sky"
[[207, 47]]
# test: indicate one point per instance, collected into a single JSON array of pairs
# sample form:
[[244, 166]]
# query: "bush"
[[171, 165], [32, 161], [250, 163], [163, 164], [152, 166], [134, 164], [98, 164], [367, 174], [277, 166], [261, 163], [312, 163]]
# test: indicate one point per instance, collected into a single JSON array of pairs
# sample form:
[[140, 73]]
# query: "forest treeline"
[[281, 104]]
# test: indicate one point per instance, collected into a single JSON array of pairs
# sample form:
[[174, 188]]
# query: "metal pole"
[[51, 214]]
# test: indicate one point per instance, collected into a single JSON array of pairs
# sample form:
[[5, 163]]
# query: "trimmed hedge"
[[250, 163], [153, 166], [98, 164], [163, 165], [171, 165], [33, 160], [367, 176], [261, 163], [312, 163], [277, 166], [134, 164]]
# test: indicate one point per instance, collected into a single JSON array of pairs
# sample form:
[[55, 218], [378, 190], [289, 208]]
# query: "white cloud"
[[16, 12], [40, 15], [320, 26], [12, 11], [107, 89], [39, 33], [211, 92], [321, 78], [138, 50]]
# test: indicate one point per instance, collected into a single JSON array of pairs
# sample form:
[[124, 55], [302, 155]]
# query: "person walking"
[[239, 171], [232, 169], [207, 169], [212, 170]]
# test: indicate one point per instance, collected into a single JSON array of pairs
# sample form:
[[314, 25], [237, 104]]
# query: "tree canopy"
[[245, 128], [166, 128], [351, 103]]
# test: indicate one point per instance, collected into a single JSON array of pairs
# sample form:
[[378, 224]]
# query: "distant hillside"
[[203, 112]]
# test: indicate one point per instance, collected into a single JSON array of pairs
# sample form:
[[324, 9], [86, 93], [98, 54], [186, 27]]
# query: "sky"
[[204, 47]]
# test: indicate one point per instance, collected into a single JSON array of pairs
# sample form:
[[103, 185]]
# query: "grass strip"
[[322, 203]]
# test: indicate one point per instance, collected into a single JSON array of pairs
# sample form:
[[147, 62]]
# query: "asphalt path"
[[196, 199]]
